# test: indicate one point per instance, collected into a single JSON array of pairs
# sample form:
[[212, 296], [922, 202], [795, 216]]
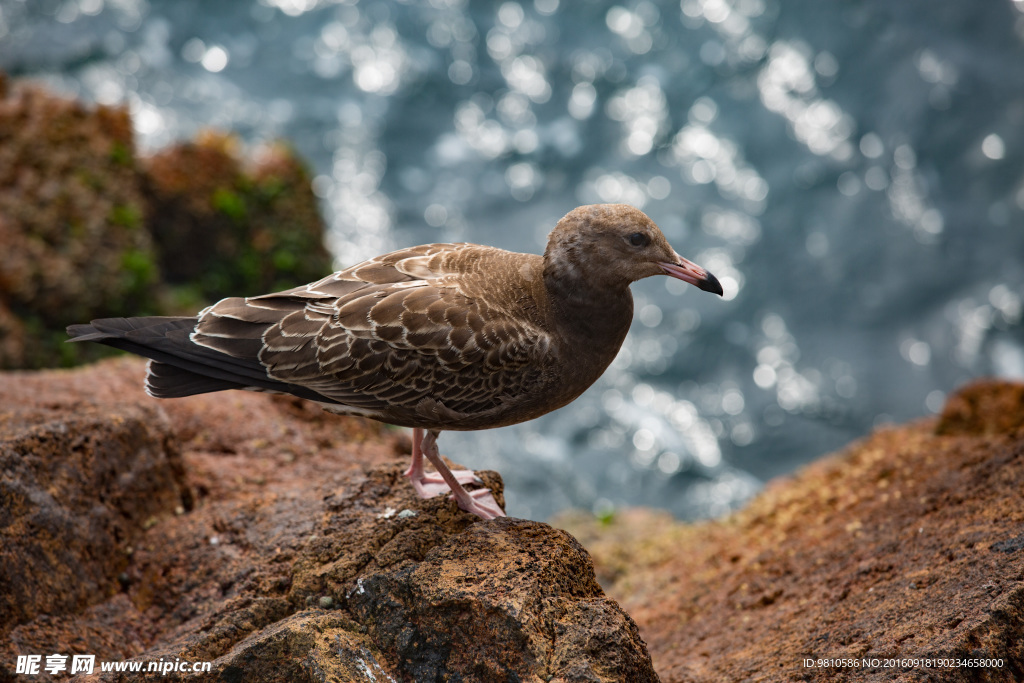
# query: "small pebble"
[[326, 601]]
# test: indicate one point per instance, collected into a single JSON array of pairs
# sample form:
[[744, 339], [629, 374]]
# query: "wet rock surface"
[[281, 544], [909, 544]]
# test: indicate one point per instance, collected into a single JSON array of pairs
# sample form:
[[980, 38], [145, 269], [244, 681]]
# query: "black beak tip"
[[711, 284]]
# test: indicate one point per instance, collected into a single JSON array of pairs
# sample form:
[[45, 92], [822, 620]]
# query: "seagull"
[[434, 337]]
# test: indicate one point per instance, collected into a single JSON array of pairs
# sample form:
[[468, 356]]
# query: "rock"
[[71, 227], [509, 583], [306, 646], [89, 229], [984, 409], [76, 492], [303, 554], [909, 544], [224, 225]]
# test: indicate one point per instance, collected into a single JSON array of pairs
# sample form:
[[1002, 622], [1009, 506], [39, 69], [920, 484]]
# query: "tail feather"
[[181, 367], [168, 381], [167, 340], [112, 328]]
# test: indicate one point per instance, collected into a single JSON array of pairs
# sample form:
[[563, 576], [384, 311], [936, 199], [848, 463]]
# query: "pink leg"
[[430, 485], [481, 502]]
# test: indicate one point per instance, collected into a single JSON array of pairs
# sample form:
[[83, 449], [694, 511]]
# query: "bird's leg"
[[481, 502], [415, 471], [432, 484]]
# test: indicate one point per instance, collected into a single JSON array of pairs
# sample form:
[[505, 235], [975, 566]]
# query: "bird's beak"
[[688, 271]]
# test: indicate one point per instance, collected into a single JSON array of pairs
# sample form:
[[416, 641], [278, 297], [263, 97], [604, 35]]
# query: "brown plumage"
[[435, 337]]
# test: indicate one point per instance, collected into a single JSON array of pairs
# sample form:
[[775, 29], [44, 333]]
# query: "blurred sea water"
[[852, 172]]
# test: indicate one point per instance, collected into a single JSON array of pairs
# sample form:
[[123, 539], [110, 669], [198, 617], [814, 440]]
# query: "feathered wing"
[[398, 337], [179, 367]]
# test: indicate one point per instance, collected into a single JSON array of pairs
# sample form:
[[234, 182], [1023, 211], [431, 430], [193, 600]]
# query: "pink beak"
[[688, 271]]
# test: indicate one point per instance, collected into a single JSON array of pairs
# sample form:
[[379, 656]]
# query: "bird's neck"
[[591, 308]]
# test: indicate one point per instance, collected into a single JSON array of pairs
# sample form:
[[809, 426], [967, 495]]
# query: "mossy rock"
[[70, 222], [88, 229]]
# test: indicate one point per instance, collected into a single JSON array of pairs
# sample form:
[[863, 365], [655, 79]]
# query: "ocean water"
[[852, 172]]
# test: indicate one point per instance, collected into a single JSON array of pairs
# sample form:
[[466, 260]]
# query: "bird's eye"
[[638, 239]]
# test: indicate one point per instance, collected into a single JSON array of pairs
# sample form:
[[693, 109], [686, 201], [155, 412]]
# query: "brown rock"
[[312, 645], [984, 408], [909, 544], [512, 583], [76, 491], [306, 556]]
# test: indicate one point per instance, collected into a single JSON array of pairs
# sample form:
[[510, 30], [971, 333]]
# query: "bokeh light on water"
[[852, 172]]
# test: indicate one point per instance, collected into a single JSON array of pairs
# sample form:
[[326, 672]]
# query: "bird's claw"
[[430, 485], [481, 503]]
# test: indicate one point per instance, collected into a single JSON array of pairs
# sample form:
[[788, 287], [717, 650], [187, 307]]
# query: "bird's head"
[[613, 245]]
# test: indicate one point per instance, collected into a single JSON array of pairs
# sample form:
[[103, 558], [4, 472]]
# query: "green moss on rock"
[[88, 229], [69, 219], [234, 228]]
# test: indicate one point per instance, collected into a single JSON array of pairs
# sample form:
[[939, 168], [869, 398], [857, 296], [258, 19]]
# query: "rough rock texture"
[[89, 229], [908, 544], [76, 492], [528, 589], [288, 548]]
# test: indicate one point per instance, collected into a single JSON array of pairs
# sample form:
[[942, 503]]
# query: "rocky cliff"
[[275, 541], [908, 545], [282, 544]]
